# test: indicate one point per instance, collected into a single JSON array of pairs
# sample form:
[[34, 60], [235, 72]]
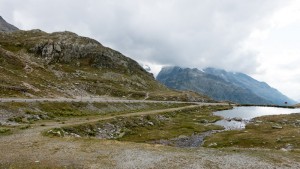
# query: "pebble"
[[277, 127]]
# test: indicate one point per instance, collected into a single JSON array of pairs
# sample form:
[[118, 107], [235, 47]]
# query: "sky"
[[259, 38]]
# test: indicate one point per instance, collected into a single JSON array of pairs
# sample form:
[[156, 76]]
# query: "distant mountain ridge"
[[222, 85], [6, 27], [261, 89]]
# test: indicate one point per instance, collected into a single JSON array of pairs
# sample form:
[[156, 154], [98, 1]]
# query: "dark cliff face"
[[215, 83], [6, 27]]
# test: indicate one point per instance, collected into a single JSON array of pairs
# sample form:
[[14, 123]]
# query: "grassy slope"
[[82, 67], [26, 114], [145, 128]]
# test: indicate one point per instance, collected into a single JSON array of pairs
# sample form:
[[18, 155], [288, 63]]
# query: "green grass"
[[262, 134], [183, 122], [29, 112], [5, 131], [146, 128]]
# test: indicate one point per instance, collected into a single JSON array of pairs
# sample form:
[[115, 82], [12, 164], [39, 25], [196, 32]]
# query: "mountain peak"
[[222, 85], [6, 27]]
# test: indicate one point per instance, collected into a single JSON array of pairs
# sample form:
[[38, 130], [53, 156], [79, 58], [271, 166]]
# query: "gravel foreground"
[[29, 149]]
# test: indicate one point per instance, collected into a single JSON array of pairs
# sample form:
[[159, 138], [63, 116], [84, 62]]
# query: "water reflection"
[[231, 124], [245, 114]]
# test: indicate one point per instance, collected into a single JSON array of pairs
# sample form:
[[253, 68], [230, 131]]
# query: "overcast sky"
[[258, 37]]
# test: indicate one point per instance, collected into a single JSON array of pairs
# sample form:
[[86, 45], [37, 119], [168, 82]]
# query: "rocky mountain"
[[261, 89], [221, 85], [6, 27], [62, 64]]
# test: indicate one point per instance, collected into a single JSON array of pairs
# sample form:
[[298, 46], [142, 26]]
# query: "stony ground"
[[30, 149]]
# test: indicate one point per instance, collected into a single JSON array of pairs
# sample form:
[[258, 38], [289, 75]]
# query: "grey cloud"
[[190, 33]]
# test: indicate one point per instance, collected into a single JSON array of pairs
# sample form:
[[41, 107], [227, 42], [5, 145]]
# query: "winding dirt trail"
[[29, 149]]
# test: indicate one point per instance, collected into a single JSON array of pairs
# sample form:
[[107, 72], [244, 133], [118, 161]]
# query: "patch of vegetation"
[[152, 127], [5, 131], [18, 119], [183, 122], [65, 109], [274, 132], [24, 127], [74, 109]]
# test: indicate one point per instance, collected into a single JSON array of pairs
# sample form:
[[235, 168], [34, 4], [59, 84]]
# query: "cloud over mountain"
[[191, 33]]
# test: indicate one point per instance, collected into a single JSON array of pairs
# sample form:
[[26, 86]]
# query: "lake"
[[238, 117]]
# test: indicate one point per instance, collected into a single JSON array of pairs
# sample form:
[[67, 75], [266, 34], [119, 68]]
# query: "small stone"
[[57, 48], [182, 137], [288, 147], [212, 144], [121, 134], [277, 127], [283, 149], [237, 119], [149, 122], [75, 135], [203, 121]]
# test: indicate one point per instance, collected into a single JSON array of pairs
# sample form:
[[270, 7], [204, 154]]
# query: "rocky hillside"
[[62, 64], [6, 27], [222, 85], [297, 105]]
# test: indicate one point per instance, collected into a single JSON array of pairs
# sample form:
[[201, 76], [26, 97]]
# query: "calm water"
[[245, 114]]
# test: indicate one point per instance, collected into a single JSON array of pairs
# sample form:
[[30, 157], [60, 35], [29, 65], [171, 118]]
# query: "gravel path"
[[29, 149], [98, 99]]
